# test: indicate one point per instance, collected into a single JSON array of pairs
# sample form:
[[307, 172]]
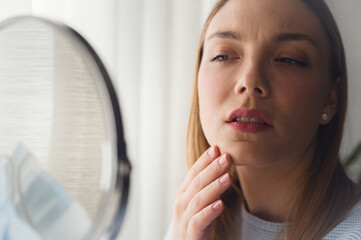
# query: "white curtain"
[[149, 48]]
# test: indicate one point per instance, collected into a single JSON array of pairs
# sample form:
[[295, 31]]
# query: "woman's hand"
[[197, 200]]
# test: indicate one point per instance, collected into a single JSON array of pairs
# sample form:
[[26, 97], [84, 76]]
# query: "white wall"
[[348, 19]]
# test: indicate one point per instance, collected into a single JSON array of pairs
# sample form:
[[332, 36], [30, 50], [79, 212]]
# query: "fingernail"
[[224, 179], [217, 205], [223, 160], [211, 152]]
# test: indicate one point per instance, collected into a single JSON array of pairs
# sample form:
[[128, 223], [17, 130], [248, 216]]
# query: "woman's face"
[[263, 82]]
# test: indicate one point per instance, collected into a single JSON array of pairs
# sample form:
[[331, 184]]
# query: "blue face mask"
[[35, 202], [11, 225]]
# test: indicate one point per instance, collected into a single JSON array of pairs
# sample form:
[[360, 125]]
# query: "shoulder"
[[350, 228]]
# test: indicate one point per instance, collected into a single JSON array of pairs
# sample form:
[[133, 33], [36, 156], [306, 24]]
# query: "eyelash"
[[291, 61], [216, 58], [288, 61]]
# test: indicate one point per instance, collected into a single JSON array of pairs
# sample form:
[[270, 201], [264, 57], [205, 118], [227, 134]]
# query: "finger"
[[199, 223], [209, 194], [203, 161], [213, 171]]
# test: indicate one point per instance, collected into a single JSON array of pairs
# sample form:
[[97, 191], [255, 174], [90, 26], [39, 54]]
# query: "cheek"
[[214, 85], [212, 95], [303, 97], [210, 88], [207, 102], [303, 105]]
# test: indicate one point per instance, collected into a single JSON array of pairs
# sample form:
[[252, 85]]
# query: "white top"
[[254, 228]]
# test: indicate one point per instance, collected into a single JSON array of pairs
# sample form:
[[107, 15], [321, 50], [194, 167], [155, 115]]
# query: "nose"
[[253, 80]]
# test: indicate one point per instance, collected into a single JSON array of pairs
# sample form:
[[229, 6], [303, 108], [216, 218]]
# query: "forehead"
[[258, 19]]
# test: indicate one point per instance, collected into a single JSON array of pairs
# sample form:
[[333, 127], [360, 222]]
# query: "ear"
[[331, 106]]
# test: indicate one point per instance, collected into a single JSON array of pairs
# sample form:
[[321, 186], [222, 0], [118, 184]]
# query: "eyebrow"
[[282, 37], [226, 35]]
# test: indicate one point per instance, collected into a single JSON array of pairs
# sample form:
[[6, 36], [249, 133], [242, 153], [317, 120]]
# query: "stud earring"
[[324, 116]]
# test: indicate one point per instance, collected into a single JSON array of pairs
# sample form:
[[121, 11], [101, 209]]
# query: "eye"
[[291, 61], [221, 58]]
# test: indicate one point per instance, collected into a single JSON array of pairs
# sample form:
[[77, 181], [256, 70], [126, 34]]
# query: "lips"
[[249, 121], [246, 115]]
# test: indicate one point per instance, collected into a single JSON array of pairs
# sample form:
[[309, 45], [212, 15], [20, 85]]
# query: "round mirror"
[[64, 172]]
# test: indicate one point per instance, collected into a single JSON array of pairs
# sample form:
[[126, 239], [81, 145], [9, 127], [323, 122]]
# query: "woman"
[[265, 128]]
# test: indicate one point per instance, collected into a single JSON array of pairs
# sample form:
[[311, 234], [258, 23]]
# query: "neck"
[[268, 190]]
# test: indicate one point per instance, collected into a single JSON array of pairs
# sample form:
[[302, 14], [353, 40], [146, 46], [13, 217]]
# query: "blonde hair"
[[327, 194]]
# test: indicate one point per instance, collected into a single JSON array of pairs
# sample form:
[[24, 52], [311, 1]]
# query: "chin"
[[249, 154]]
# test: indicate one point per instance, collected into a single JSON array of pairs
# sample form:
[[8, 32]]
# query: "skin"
[[248, 63]]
